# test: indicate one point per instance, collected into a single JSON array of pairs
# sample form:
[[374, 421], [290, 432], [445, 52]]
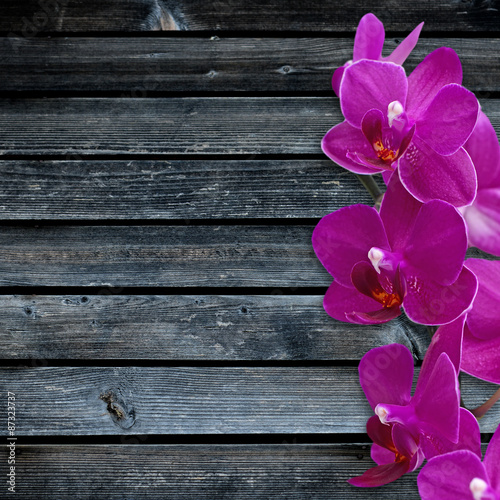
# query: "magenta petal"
[[403, 50], [343, 238], [347, 304], [404, 442], [337, 78], [491, 460], [429, 303], [428, 175], [386, 375], [483, 221], [438, 242], [381, 474], [469, 438], [398, 212], [380, 434], [369, 39], [343, 140], [370, 85], [438, 69], [448, 477], [448, 339], [481, 358], [449, 120], [437, 403], [381, 455], [484, 151], [482, 320]]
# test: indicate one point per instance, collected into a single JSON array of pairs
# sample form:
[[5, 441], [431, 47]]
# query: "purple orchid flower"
[[368, 44], [406, 429], [418, 124], [460, 475], [483, 216], [410, 255], [480, 335]]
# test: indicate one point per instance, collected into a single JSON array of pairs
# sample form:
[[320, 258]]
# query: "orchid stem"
[[371, 186], [480, 411]]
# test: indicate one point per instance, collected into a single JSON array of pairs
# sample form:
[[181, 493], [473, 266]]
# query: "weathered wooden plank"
[[287, 125], [199, 327], [140, 65], [198, 400], [284, 471], [185, 189], [31, 17], [116, 256]]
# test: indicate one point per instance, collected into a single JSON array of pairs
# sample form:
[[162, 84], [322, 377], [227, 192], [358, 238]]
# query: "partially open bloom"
[[460, 475], [368, 44], [406, 429], [416, 124], [410, 255], [483, 216]]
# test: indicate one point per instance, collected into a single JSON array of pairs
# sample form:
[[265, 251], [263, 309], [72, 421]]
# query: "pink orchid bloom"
[[483, 216], [368, 44], [460, 475], [477, 332], [416, 124], [406, 429], [410, 255]]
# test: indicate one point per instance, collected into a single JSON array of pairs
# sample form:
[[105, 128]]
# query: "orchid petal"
[[342, 142], [337, 78], [449, 120], [404, 442], [381, 474], [437, 402], [348, 305], [448, 476], [483, 221], [403, 50], [481, 358], [398, 212], [482, 320], [484, 151], [386, 375], [379, 454], [371, 85], [369, 39], [491, 460], [437, 243], [469, 438], [429, 303], [428, 175], [344, 238], [438, 69]]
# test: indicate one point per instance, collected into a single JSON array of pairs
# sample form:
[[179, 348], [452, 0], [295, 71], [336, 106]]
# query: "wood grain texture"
[[175, 400], [245, 126], [194, 327], [170, 189], [117, 256], [32, 17], [137, 66], [284, 471]]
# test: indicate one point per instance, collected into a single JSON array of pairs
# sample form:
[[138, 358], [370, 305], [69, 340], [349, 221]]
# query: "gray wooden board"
[[195, 125], [56, 401], [194, 327], [137, 66], [185, 255], [32, 17], [281, 471], [175, 189]]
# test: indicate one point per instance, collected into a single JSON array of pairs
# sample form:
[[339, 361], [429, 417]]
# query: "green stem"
[[371, 186], [480, 411]]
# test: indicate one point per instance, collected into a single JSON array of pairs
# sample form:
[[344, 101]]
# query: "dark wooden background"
[[161, 318]]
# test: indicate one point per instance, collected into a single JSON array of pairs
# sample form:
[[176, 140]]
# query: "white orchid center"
[[478, 487], [394, 109]]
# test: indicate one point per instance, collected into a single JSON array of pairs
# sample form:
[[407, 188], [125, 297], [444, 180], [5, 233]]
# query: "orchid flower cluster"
[[439, 157]]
